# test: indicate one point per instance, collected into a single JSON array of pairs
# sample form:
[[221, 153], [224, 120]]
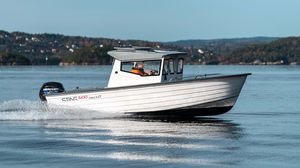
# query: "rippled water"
[[262, 130]]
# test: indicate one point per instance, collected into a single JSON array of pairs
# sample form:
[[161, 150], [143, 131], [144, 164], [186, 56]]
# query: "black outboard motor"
[[50, 87]]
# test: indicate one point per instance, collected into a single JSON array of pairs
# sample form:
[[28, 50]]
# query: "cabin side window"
[[180, 66], [127, 66], [171, 66], [142, 68], [166, 67]]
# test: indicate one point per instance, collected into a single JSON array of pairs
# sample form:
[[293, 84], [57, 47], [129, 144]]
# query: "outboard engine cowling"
[[50, 87]]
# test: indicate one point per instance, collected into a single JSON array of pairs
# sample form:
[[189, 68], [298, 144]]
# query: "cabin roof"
[[141, 54]]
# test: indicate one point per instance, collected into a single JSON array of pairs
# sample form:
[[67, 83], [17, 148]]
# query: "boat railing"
[[201, 76]]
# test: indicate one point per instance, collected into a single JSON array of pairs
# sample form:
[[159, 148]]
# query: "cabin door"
[[169, 74], [172, 69]]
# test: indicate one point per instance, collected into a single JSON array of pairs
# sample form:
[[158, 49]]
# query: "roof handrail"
[[134, 48]]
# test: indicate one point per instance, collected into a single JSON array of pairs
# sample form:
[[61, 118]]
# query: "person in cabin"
[[139, 69]]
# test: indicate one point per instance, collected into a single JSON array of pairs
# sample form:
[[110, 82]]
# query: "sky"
[[154, 20]]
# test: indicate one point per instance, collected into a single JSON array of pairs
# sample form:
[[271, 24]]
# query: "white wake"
[[36, 110]]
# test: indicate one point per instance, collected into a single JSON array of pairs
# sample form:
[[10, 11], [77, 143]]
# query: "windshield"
[[143, 68]]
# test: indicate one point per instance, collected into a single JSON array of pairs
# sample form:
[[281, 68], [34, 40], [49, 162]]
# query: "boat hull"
[[197, 97], [191, 111]]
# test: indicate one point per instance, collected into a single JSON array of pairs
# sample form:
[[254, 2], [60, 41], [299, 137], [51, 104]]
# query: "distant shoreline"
[[19, 48]]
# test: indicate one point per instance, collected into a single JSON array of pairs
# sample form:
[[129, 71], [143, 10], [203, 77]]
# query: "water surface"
[[262, 130]]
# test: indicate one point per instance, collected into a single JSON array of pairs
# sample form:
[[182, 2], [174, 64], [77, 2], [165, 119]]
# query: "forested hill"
[[257, 50], [203, 43], [222, 46], [52, 49], [18, 48], [281, 51]]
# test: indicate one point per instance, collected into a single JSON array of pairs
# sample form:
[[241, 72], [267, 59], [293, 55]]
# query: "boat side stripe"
[[191, 102], [233, 91]]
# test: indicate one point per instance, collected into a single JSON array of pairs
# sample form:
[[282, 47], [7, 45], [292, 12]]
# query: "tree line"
[[19, 48], [285, 50]]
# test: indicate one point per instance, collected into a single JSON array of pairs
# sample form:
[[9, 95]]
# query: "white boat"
[[146, 81]]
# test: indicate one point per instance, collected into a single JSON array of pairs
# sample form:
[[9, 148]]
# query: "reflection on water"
[[158, 140], [161, 127], [190, 142], [227, 128]]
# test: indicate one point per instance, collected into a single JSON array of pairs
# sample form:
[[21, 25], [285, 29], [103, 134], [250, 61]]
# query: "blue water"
[[262, 130]]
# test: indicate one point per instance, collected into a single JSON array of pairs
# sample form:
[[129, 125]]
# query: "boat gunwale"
[[70, 92]]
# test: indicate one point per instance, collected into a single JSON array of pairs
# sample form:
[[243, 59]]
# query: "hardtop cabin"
[[143, 65]]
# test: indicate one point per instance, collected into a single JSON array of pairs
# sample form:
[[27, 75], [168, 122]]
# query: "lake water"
[[262, 130]]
